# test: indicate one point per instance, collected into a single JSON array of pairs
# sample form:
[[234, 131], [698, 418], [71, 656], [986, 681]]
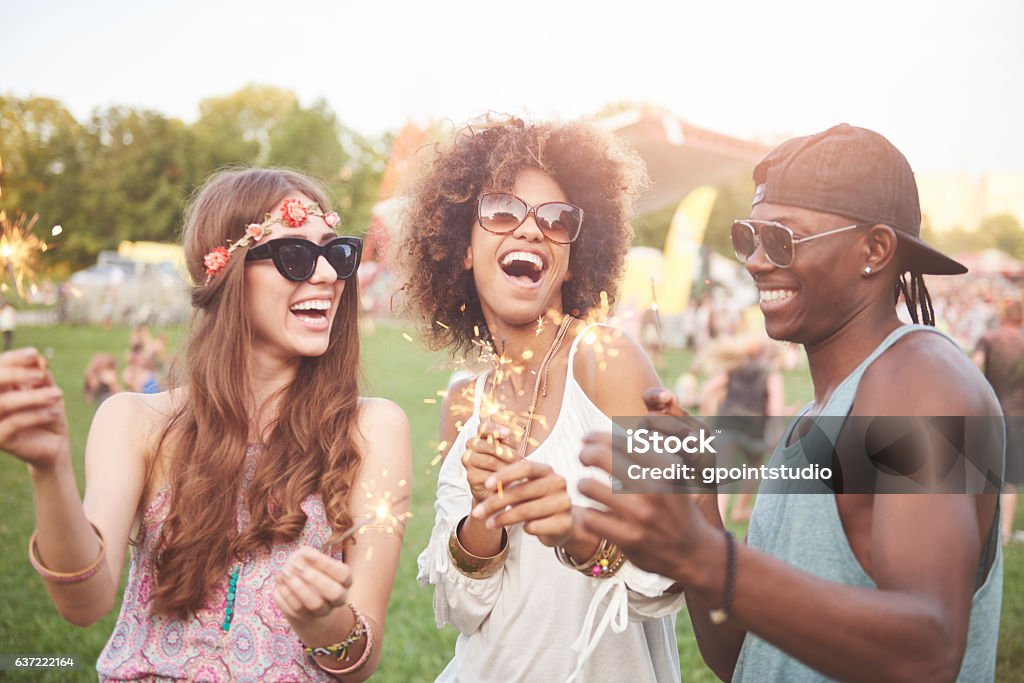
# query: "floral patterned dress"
[[260, 644]]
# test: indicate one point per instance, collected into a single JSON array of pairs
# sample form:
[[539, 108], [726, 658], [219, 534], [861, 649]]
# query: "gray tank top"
[[805, 531]]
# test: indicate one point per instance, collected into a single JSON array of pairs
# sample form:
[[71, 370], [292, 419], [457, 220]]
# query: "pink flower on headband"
[[293, 213], [255, 231], [332, 219], [215, 261]]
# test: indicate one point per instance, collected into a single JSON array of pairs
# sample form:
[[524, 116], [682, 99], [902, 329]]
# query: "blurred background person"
[[101, 378], [1000, 355], [8, 322], [746, 390], [140, 374]]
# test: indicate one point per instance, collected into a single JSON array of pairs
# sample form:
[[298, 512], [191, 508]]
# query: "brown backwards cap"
[[856, 173]]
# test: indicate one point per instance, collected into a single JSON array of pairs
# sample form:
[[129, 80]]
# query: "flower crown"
[[293, 214]]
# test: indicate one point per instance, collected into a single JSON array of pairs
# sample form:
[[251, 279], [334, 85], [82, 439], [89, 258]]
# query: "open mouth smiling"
[[312, 311], [524, 267]]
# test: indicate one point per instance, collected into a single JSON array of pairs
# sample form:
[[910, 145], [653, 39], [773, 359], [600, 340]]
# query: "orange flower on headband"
[[293, 214], [215, 261]]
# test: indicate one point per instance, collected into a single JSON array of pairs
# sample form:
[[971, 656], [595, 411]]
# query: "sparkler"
[[491, 406], [657, 315]]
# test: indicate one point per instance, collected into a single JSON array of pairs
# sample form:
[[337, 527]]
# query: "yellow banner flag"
[[682, 248]]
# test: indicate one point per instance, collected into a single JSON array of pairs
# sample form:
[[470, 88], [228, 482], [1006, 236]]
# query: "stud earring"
[[867, 270]]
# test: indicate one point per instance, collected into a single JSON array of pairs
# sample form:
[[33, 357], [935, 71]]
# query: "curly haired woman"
[[235, 489], [516, 232]]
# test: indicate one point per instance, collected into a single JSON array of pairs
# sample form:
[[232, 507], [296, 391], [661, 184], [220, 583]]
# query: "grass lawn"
[[414, 649]]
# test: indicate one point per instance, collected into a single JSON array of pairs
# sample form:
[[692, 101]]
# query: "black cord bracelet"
[[719, 615]]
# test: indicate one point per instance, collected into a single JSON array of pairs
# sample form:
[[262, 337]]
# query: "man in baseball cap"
[[831, 585], [856, 174]]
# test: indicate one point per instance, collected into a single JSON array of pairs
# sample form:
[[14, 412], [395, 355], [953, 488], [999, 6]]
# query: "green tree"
[[960, 240], [1005, 232], [140, 173], [236, 128], [43, 160], [307, 139]]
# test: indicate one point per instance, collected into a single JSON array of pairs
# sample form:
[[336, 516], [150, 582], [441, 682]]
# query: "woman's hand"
[[311, 586], [534, 494], [33, 425], [486, 453]]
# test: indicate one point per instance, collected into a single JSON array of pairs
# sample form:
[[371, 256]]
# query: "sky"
[[943, 80]]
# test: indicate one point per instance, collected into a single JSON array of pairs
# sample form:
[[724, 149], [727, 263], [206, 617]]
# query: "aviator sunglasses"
[[777, 240], [501, 213], [296, 258]]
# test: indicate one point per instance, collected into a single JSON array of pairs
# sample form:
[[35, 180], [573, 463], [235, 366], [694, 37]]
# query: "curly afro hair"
[[596, 172]]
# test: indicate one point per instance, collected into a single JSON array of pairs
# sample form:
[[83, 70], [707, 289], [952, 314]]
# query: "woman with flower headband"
[[515, 233], [235, 489]]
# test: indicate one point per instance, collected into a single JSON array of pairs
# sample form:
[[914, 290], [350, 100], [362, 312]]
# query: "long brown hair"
[[311, 447]]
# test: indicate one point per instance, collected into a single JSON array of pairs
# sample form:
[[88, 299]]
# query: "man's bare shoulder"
[[924, 374]]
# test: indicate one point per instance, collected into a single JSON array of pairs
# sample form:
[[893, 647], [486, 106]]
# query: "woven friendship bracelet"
[[365, 625], [340, 650], [65, 577]]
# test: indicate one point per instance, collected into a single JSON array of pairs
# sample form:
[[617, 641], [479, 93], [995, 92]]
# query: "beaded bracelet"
[[65, 577], [362, 659], [607, 560], [340, 650]]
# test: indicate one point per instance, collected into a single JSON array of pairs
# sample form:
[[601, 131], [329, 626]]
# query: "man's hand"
[[659, 532], [661, 401]]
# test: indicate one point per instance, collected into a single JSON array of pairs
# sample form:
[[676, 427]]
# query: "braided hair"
[[916, 296]]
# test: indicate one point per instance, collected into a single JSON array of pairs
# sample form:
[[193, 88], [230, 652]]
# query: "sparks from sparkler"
[[19, 250], [381, 515], [505, 368], [601, 338], [491, 407], [602, 341]]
